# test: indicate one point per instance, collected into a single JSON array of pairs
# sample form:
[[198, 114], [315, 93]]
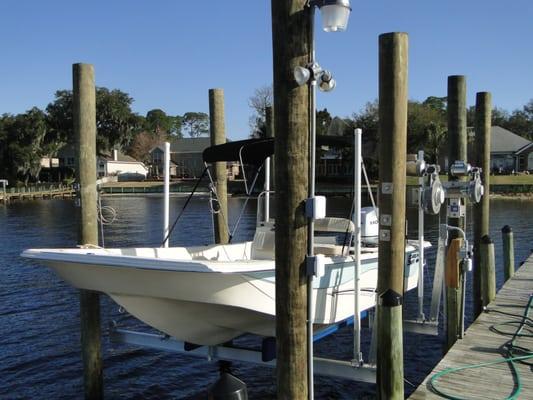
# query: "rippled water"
[[39, 314]]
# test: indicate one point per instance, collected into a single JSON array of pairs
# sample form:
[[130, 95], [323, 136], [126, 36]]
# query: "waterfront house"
[[186, 158], [510, 152], [122, 166]]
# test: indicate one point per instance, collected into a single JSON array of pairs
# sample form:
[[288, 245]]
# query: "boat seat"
[[329, 249]]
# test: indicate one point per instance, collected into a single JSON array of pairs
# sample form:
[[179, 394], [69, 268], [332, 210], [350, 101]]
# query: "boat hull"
[[201, 304]]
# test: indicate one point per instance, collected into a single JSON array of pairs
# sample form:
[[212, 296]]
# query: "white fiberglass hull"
[[202, 295]]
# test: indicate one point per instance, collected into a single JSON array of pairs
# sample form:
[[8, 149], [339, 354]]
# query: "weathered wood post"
[[218, 136], [482, 209], [393, 54], [488, 276], [291, 48], [457, 151], [452, 280], [508, 252], [84, 117]]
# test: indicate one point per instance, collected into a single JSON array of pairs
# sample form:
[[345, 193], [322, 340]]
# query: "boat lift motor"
[[432, 197]]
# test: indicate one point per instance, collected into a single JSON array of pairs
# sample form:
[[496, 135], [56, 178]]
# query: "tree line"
[[426, 124], [27, 137]]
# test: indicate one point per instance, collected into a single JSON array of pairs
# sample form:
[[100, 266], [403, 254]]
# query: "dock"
[[482, 344], [39, 192]]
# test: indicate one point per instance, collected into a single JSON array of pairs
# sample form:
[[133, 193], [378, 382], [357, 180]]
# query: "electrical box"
[[315, 207], [455, 208], [316, 265]]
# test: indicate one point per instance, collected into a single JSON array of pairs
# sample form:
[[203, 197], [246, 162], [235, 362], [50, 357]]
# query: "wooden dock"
[[36, 193], [481, 344]]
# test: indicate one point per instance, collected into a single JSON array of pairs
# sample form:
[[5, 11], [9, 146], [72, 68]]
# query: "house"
[[186, 158], [510, 152], [122, 166]]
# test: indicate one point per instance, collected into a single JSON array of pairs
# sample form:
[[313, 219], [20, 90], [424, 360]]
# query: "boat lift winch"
[[431, 195]]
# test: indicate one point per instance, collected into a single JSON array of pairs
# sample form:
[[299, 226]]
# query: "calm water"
[[39, 315]]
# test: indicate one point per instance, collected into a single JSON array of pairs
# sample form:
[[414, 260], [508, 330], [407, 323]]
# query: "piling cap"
[[486, 239], [390, 298], [227, 387], [507, 229]]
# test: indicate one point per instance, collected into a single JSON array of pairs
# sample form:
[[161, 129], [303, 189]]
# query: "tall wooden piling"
[[457, 151], [84, 118], [482, 209], [291, 48], [508, 252], [488, 276], [218, 136], [393, 54]]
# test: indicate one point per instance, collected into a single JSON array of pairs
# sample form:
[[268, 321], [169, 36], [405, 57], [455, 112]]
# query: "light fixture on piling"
[[335, 13], [313, 72]]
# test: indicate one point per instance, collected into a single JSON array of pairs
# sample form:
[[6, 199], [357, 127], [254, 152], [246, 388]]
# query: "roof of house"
[[186, 145], [505, 141], [120, 158]]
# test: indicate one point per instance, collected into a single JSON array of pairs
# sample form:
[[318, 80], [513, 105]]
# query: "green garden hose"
[[510, 348]]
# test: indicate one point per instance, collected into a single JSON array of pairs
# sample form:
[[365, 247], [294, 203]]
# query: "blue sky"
[[167, 54]]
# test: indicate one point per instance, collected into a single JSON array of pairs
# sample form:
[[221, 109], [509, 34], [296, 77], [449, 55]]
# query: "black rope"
[[184, 206]]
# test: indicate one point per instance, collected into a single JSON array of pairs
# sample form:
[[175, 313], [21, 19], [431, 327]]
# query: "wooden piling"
[[393, 54], [457, 151], [488, 274], [218, 136], [453, 281], [291, 48], [508, 252], [84, 119], [482, 209]]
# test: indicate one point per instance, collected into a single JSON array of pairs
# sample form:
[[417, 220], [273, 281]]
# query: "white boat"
[[211, 294]]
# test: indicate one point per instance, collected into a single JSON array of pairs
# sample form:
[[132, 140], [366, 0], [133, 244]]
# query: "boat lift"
[[431, 195]]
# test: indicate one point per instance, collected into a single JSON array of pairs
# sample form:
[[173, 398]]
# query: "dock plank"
[[480, 345]]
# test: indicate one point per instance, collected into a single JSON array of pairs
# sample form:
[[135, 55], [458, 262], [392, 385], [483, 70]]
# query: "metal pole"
[[393, 55], [84, 119], [291, 48], [218, 136], [357, 354], [482, 209], [421, 315], [310, 221], [166, 196]]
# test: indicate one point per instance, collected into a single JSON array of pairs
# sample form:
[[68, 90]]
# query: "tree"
[[143, 142], [196, 123], [115, 122], [157, 121], [261, 99], [23, 144], [323, 120], [436, 134]]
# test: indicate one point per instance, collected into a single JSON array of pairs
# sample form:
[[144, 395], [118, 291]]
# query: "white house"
[[122, 166]]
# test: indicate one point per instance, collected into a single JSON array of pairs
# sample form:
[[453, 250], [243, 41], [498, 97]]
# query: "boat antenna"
[[184, 206]]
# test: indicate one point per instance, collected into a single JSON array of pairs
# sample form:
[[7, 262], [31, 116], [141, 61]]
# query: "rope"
[[184, 206], [510, 349]]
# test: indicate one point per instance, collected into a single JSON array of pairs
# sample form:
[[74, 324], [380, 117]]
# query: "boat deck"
[[481, 344]]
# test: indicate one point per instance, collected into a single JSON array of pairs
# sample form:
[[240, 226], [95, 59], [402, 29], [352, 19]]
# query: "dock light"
[[326, 81], [301, 75], [335, 14]]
